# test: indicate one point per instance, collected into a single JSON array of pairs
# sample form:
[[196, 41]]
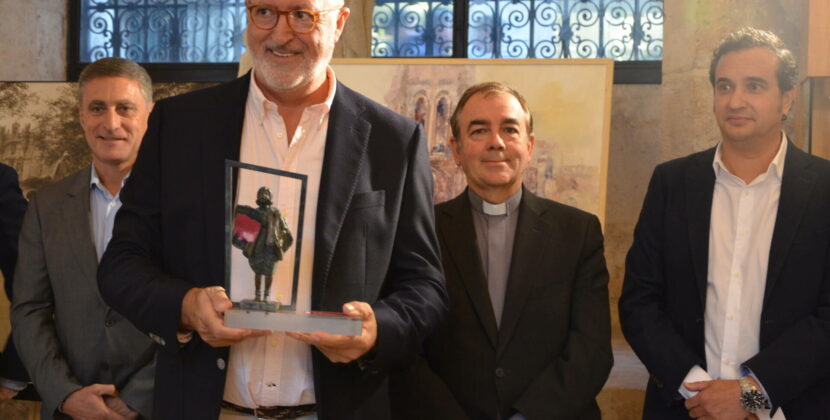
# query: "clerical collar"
[[490, 209]]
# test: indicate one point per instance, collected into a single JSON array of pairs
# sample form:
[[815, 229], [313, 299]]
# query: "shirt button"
[[220, 363], [280, 135], [109, 323], [499, 373]]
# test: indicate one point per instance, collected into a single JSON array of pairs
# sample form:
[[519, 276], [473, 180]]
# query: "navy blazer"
[[374, 242], [664, 291]]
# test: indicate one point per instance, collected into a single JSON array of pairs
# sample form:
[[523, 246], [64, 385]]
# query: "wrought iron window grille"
[[177, 40], [629, 31], [201, 40]]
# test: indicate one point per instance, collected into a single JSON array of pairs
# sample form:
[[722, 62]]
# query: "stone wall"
[[33, 36]]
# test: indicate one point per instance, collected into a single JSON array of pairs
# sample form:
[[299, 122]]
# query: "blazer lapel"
[[346, 142], [700, 185], [455, 225], [222, 139], [532, 241], [796, 185], [77, 220]]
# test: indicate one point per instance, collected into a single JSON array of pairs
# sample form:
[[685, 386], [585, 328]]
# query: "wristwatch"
[[752, 399]]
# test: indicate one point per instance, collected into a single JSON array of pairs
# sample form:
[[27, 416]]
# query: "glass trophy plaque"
[[264, 210]]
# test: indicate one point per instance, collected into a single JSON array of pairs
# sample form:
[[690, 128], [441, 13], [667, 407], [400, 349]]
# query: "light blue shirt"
[[103, 207]]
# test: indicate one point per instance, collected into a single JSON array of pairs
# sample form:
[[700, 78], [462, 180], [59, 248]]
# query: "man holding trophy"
[[368, 246]]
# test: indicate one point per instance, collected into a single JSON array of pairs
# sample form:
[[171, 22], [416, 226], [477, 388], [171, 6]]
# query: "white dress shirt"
[[276, 370], [740, 235]]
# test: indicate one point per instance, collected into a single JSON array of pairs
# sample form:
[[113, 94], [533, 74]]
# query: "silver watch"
[[752, 399]]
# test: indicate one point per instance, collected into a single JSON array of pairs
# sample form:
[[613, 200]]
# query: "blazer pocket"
[[368, 199]]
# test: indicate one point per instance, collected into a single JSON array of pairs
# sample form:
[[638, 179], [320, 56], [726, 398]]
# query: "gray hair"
[[117, 67]]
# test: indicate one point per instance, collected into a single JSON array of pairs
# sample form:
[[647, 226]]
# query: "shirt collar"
[[490, 209], [262, 106], [776, 166], [95, 182]]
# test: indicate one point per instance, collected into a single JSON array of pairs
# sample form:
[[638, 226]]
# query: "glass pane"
[[163, 31], [412, 29], [619, 29]]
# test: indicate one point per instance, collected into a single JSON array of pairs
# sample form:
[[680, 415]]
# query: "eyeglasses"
[[301, 21]]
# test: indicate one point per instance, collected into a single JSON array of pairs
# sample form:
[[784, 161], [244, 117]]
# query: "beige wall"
[[33, 40], [650, 123]]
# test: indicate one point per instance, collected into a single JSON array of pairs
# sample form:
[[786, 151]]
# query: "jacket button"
[[220, 363], [699, 320], [109, 323], [499, 373]]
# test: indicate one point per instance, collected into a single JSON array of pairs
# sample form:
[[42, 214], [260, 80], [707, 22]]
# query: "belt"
[[274, 413]]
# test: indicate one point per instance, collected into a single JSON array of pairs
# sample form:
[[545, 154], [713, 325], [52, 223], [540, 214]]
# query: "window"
[[412, 29], [194, 40], [629, 31]]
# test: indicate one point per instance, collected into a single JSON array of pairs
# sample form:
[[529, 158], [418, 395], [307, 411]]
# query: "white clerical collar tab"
[[494, 209]]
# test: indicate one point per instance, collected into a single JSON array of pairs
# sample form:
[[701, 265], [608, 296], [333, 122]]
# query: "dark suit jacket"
[[67, 337], [374, 242], [12, 208], [662, 303], [551, 355]]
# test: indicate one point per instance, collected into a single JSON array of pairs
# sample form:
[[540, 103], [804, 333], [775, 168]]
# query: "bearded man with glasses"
[[370, 249]]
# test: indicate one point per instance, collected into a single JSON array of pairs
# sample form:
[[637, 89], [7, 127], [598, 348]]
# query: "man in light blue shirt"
[[103, 206], [85, 360]]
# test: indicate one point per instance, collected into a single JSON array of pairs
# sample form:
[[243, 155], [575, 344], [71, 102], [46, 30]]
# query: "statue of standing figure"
[[270, 244]]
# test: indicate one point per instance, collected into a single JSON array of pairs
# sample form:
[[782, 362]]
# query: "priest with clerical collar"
[[528, 334]]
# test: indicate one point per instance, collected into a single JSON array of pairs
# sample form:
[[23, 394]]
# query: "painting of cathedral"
[[570, 101]]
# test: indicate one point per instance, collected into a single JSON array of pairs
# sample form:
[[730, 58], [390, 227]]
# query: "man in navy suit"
[[726, 297], [369, 247]]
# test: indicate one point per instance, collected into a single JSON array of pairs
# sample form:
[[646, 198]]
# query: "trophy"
[[264, 210]]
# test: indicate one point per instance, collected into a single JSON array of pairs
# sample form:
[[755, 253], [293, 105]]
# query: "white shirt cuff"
[[696, 374], [12, 384]]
